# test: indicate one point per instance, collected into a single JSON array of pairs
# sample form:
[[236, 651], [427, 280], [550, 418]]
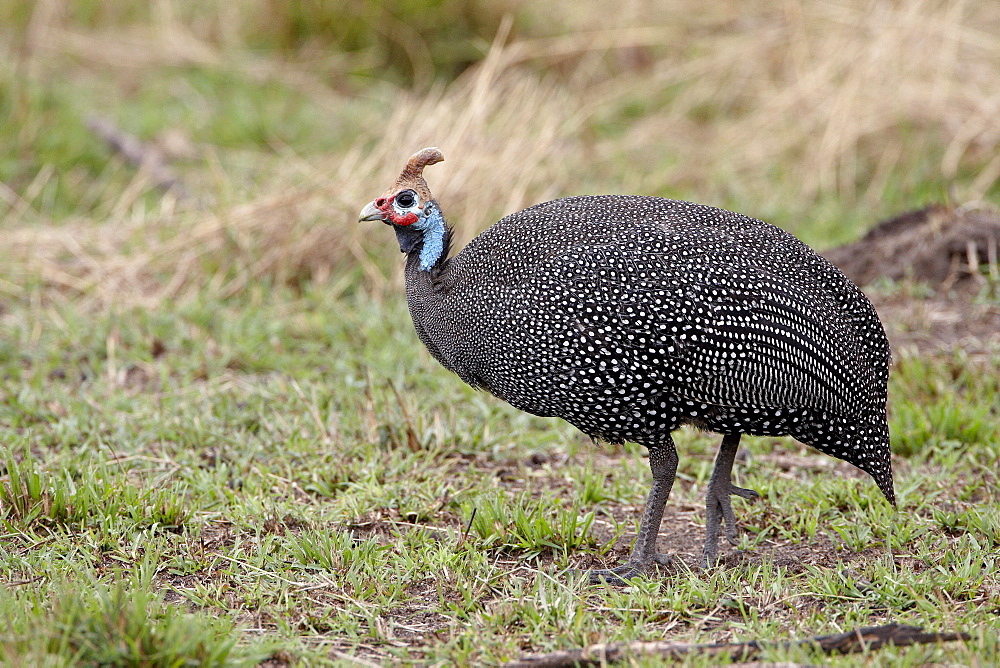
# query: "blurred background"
[[156, 150]]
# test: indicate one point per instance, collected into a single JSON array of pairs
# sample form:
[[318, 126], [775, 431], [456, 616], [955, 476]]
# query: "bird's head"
[[409, 200], [412, 211]]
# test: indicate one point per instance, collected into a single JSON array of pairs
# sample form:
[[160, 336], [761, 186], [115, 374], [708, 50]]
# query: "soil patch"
[[938, 245], [947, 262]]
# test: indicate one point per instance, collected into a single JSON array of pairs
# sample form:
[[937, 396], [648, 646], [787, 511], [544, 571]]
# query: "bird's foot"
[[720, 510], [619, 575]]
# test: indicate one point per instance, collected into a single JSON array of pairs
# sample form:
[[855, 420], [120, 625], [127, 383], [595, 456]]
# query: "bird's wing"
[[714, 328]]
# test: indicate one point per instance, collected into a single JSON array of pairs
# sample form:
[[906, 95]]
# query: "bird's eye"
[[406, 199]]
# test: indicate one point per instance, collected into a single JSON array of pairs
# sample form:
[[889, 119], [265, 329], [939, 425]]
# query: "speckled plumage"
[[631, 316]]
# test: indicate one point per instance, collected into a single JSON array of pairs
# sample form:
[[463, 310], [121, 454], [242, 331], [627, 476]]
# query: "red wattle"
[[408, 219]]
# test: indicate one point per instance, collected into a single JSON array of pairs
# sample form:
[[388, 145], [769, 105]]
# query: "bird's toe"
[[744, 493], [617, 576], [662, 559]]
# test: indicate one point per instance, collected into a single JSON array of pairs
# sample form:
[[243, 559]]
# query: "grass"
[[321, 500], [81, 622], [223, 442]]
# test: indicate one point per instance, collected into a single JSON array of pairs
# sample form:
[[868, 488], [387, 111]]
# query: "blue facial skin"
[[428, 230], [432, 224]]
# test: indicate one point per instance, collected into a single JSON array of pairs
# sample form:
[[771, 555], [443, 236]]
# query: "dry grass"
[[840, 94], [758, 104]]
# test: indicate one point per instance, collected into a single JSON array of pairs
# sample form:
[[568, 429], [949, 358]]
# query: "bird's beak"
[[370, 212]]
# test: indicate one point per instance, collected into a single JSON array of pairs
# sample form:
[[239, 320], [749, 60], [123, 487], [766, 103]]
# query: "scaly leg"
[[717, 502], [663, 464]]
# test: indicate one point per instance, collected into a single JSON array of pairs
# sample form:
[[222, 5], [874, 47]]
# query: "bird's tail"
[[873, 445]]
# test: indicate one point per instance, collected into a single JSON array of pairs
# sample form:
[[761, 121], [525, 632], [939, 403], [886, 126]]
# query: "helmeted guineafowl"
[[631, 316]]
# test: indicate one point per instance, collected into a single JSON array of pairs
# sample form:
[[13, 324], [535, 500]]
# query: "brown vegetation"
[[775, 106]]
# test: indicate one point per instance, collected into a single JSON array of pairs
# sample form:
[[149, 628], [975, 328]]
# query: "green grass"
[[304, 473], [268, 464], [77, 620]]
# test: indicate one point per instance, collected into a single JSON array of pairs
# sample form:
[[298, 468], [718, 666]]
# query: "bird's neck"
[[429, 278], [428, 239]]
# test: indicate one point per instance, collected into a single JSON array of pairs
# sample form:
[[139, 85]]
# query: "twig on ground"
[[468, 527], [139, 154], [867, 638]]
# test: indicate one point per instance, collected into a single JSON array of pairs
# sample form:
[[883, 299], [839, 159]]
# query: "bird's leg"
[[663, 464], [717, 502]]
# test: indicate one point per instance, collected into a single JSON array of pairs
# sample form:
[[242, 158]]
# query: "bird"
[[631, 316]]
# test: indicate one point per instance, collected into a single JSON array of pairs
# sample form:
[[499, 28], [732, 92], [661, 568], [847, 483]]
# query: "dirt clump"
[[938, 245], [945, 262]]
